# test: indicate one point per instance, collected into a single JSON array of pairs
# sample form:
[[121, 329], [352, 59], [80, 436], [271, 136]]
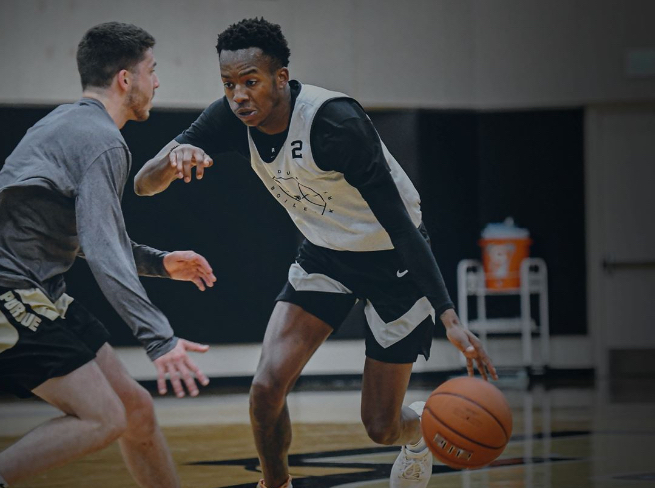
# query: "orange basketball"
[[466, 423]]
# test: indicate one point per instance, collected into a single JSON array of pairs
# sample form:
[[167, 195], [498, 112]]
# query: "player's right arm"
[[173, 162], [156, 175], [216, 130]]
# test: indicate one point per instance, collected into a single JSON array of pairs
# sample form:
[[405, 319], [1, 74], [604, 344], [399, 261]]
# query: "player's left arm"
[[177, 265], [415, 252], [107, 248], [355, 146]]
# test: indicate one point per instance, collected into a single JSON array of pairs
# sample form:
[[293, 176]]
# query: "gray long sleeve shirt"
[[60, 193]]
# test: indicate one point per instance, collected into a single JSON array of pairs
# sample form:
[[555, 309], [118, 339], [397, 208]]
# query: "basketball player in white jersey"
[[321, 158]]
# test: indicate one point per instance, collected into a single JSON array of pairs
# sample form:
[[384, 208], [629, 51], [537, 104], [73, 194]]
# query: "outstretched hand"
[[464, 340], [185, 157], [189, 266], [180, 368]]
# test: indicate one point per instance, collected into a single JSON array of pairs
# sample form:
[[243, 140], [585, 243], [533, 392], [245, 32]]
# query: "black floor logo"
[[368, 471]]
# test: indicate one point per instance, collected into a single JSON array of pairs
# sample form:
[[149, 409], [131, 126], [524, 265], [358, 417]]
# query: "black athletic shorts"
[[40, 339], [327, 283]]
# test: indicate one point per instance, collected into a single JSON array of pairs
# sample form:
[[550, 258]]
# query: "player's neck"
[[113, 103]]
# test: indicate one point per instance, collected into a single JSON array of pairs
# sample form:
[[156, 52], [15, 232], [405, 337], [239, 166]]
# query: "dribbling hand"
[[464, 340], [180, 369]]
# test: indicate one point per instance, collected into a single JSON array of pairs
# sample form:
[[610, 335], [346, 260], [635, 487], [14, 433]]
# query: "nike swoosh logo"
[[400, 274]]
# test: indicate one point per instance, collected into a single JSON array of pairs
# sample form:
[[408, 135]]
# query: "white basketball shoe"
[[412, 469]]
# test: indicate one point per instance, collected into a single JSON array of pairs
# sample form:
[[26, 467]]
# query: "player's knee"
[[267, 393], [381, 432], [112, 422], [116, 427], [140, 411]]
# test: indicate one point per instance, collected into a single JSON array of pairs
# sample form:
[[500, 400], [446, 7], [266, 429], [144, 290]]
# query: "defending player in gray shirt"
[[60, 193]]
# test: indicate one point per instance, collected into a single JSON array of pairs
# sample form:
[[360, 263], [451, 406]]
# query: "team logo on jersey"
[[289, 191]]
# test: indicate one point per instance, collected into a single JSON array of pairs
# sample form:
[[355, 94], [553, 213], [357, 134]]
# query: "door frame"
[[596, 243]]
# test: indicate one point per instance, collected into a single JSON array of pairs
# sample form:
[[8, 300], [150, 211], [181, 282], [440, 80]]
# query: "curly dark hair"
[[108, 48], [256, 33]]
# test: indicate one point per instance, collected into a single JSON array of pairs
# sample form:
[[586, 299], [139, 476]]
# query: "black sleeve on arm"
[[217, 130], [149, 261], [345, 140]]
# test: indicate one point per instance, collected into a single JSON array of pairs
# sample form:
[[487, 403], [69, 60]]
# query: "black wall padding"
[[470, 168]]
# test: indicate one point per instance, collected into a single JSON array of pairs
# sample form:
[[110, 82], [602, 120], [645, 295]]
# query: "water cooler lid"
[[505, 230]]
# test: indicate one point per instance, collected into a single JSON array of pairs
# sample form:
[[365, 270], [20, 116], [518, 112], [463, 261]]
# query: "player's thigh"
[[85, 393], [311, 305], [292, 336]]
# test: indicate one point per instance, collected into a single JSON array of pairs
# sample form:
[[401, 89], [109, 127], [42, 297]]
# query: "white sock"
[[418, 447]]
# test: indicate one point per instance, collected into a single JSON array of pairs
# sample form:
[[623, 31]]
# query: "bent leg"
[[292, 336], [386, 420], [143, 445], [386, 377], [94, 418]]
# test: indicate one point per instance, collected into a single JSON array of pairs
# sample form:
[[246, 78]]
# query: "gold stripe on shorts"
[[8, 334], [42, 305]]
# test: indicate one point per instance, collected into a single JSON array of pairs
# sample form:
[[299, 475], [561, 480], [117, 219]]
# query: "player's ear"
[[282, 76], [124, 79]]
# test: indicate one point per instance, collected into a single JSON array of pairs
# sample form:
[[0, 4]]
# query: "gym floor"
[[566, 435]]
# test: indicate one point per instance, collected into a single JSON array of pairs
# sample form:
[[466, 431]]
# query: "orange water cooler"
[[504, 247]]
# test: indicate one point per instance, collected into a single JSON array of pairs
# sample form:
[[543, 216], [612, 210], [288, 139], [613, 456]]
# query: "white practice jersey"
[[328, 211]]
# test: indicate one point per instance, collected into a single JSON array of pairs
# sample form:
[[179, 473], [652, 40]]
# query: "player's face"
[[142, 90], [257, 94]]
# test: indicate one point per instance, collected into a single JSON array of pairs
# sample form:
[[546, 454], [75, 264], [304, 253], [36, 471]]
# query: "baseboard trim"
[[346, 357], [509, 378]]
